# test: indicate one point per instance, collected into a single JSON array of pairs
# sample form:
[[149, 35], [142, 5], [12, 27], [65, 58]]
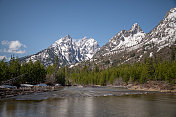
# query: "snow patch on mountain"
[[88, 47], [123, 41], [164, 34], [172, 13], [130, 38]]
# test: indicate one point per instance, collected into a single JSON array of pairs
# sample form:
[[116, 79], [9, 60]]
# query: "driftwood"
[[12, 80], [5, 93]]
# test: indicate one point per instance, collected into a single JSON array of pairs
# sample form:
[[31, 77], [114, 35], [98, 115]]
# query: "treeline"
[[33, 73], [138, 72], [57, 75]]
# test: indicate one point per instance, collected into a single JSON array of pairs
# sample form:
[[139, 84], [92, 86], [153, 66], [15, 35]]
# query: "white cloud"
[[13, 47], [2, 57], [4, 42], [20, 52], [16, 51]]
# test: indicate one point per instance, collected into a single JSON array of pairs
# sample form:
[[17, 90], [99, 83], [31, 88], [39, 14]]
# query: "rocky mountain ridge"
[[67, 51], [129, 46], [123, 40], [134, 45]]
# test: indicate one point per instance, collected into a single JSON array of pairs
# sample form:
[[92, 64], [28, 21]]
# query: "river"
[[90, 102]]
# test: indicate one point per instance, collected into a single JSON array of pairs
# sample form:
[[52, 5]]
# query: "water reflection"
[[70, 107], [112, 106]]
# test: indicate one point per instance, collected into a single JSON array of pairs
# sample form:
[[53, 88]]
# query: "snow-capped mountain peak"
[[88, 47], [129, 38], [134, 45], [123, 40], [82, 41], [124, 46], [67, 50], [164, 34], [67, 39], [171, 14], [135, 28]]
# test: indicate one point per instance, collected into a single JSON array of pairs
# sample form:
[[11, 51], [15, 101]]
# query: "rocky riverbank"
[[6, 93], [150, 86], [160, 86]]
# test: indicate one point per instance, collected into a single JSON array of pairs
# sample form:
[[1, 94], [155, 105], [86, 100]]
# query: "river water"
[[90, 102]]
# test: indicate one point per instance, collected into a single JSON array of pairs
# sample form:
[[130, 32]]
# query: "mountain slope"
[[67, 50], [164, 34], [135, 45], [122, 41], [125, 47]]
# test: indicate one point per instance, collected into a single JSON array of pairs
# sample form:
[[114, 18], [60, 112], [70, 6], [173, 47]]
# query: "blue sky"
[[28, 26]]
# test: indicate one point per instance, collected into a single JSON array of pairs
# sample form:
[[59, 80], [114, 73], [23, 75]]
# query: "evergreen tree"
[[60, 78], [4, 71], [172, 54], [14, 67]]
